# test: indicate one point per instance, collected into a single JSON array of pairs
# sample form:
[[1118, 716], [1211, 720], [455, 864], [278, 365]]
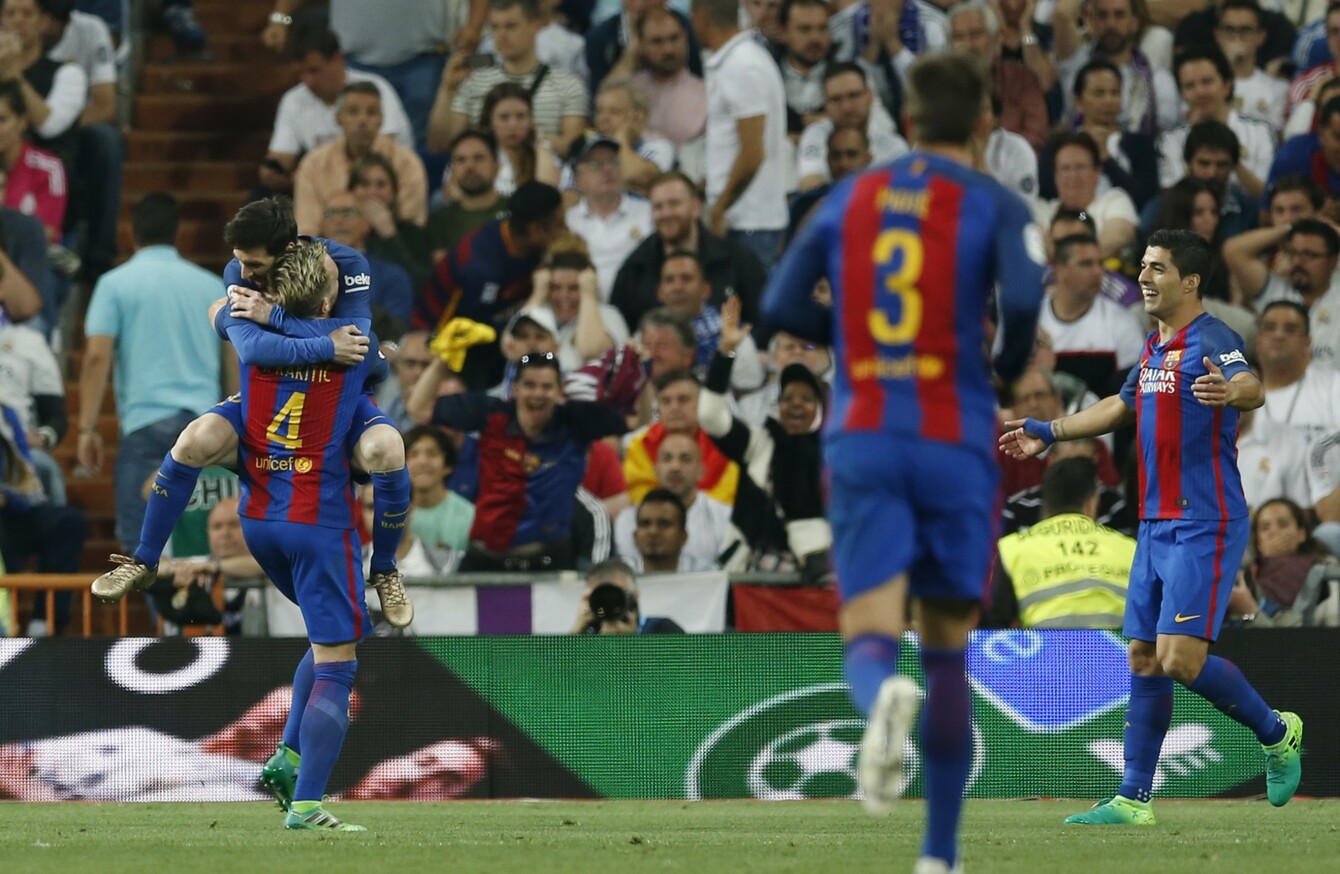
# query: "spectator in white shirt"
[[55, 92], [1272, 459], [1009, 158], [1093, 337], [585, 327], [678, 467], [611, 221], [1300, 393], [848, 102], [555, 45], [621, 115], [661, 535], [805, 50], [1077, 174], [747, 149], [306, 115], [1240, 32]]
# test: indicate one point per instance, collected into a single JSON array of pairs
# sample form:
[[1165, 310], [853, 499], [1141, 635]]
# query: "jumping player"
[[912, 250], [1184, 399]]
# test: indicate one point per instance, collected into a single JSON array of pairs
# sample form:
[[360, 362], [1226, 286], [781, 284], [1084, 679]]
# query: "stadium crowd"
[[570, 210]]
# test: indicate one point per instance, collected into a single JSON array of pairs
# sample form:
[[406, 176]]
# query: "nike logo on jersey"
[[1180, 618], [373, 419]]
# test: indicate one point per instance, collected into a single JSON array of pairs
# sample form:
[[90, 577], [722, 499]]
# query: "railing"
[[51, 583]]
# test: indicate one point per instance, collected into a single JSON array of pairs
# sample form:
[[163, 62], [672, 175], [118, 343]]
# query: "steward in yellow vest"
[[1067, 571]]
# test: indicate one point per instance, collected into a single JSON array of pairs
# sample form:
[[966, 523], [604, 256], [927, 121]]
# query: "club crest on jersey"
[[1172, 359], [489, 294]]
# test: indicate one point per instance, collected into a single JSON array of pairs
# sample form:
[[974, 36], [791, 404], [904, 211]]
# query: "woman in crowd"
[[374, 183], [782, 457], [441, 518], [1288, 564], [522, 156]]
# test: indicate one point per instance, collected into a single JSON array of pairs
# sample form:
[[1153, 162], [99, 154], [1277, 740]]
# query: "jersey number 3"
[[287, 420], [899, 256]]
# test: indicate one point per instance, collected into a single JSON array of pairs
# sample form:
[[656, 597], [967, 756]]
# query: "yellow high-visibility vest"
[[1069, 572]]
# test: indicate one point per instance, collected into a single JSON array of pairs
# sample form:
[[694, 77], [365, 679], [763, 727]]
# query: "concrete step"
[[230, 46], [232, 19], [207, 205], [195, 176], [174, 145], [193, 235], [217, 79], [205, 113]]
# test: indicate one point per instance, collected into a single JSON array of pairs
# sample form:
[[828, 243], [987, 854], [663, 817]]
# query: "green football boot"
[[1115, 811], [317, 818], [1284, 761], [279, 776]]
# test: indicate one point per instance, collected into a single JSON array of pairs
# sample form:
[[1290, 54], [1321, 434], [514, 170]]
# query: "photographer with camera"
[[609, 604]]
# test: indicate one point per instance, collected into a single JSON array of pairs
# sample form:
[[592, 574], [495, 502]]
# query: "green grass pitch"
[[1223, 837]]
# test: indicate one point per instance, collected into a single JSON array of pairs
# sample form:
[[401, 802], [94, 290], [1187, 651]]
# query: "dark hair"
[[1066, 245], [433, 433], [540, 360], [1310, 546], [12, 93], [1074, 215], [784, 14], [321, 40], [1250, 5], [523, 168], [1191, 255], [1205, 52], [1317, 228], [1297, 182], [573, 260], [532, 203], [1075, 138], [842, 68], [1293, 306], [154, 219], [603, 570], [367, 89], [58, 9], [671, 377], [944, 96], [682, 253], [1097, 65], [661, 317], [473, 133], [1067, 484], [849, 129], [366, 163], [530, 10], [1213, 135], [722, 13], [268, 223], [1179, 203], [665, 496], [1329, 110]]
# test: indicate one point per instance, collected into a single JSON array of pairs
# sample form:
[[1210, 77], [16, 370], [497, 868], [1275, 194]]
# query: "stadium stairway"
[[199, 128]]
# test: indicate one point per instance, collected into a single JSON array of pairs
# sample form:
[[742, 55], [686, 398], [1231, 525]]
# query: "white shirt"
[[743, 82], [87, 43], [27, 368], [556, 46], [1013, 163], [1323, 316], [303, 122], [804, 91], [1310, 406], [610, 240], [1114, 203], [885, 143], [1263, 96], [708, 523], [1106, 327], [1255, 136], [66, 100], [1272, 460]]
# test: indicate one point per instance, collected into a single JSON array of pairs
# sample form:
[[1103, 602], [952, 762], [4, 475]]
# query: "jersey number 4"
[[898, 255], [287, 421]]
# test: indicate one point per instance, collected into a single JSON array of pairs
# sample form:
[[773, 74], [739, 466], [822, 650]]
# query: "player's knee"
[[1144, 660], [1182, 667], [381, 448], [202, 441]]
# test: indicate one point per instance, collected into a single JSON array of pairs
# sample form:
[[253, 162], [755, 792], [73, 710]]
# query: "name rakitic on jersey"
[[304, 374]]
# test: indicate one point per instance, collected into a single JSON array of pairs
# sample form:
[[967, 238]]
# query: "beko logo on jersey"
[[357, 282], [282, 465], [1156, 380], [1230, 357]]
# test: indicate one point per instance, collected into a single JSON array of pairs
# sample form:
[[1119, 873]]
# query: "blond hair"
[[299, 281]]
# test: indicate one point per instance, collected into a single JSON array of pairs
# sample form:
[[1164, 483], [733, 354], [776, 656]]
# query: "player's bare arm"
[[1243, 392], [1028, 437]]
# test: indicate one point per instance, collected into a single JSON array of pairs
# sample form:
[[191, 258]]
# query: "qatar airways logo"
[[1156, 380]]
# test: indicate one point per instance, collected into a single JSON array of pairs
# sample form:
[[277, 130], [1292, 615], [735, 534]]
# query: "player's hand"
[[250, 304], [351, 347], [1212, 389], [732, 332], [1018, 443], [89, 451]]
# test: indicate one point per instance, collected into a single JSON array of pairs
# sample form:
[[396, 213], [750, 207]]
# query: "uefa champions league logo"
[[797, 745]]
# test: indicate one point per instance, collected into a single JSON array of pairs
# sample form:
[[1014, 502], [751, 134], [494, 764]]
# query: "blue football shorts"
[[1182, 575]]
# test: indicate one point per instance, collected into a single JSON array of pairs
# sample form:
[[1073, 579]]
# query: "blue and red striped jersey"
[[1188, 451], [913, 250], [355, 300], [295, 464]]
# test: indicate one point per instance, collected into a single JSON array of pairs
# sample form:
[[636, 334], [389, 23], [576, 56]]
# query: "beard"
[[474, 186]]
